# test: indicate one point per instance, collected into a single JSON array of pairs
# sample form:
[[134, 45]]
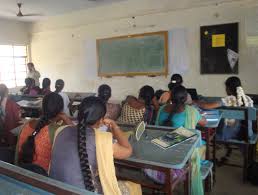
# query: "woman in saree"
[[143, 108], [35, 140], [179, 114], [83, 156]]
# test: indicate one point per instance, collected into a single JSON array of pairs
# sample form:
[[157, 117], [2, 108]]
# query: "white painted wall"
[[58, 45], [14, 32]]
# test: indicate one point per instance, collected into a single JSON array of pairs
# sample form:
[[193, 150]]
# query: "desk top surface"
[[144, 151], [213, 118], [36, 104], [14, 184]]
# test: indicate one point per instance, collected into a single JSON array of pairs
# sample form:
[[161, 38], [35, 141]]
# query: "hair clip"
[[173, 81]]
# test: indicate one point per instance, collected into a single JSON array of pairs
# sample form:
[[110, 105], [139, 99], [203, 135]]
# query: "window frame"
[[13, 58]]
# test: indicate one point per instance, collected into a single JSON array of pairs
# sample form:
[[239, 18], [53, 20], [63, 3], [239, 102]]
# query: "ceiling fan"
[[20, 14]]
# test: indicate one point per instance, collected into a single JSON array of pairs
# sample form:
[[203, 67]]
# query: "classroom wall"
[[14, 32], [58, 45]]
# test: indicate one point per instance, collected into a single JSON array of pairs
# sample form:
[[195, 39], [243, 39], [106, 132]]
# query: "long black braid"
[[147, 94], [84, 162], [179, 97], [91, 110], [52, 105], [28, 148]]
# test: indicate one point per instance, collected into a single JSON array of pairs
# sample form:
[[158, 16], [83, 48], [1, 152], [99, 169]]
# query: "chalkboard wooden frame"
[[131, 74]]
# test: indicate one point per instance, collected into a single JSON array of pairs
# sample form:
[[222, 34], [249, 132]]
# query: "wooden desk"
[[79, 96], [31, 108], [213, 118], [31, 104], [148, 155], [16, 180]]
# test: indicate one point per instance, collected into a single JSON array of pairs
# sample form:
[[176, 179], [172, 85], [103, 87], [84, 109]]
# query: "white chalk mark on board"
[[232, 58]]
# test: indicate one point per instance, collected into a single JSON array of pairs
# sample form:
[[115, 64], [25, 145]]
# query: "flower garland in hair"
[[241, 97]]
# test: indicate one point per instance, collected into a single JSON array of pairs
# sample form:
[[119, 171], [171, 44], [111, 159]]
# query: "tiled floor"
[[229, 179], [229, 182]]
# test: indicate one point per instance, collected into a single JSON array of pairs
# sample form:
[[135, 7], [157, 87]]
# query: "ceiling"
[[46, 8], [9, 9]]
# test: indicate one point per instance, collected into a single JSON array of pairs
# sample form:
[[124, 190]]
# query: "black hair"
[[46, 83], [91, 110], [28, 82], [179, 97], [104, 92], [231, 85], [147, 94], [52, 105], [35, 168], [59, 85], [176, 80], [158, 93]]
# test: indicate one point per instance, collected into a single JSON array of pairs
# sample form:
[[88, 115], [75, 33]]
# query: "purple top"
[[65, 162]]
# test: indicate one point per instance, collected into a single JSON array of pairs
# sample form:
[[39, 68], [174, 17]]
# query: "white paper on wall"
[[251, 25], [178, 61], [91, 71], [232, 58]]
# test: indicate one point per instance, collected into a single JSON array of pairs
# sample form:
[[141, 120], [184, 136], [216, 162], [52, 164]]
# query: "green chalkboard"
[[141, 54]]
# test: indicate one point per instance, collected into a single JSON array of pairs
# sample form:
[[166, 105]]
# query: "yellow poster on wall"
[[218, 40]]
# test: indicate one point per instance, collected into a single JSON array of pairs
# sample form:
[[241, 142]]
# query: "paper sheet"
[[218, 40]]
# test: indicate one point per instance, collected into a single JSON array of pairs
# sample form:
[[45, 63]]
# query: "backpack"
[[252, 173]]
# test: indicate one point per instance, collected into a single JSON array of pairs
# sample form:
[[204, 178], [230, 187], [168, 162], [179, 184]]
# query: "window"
[[13, 69]]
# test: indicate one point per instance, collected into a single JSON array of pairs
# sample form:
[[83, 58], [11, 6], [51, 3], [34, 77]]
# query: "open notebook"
[[173, 138]]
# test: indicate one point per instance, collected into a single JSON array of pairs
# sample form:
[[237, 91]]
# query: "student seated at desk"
[[10, 115], [176, 80], [179, 113], [113, 110], [83, 156], [46, 86], [30, 88], [176, 115], [236, 98], [135, 110], [59, 87], [36, 138]]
